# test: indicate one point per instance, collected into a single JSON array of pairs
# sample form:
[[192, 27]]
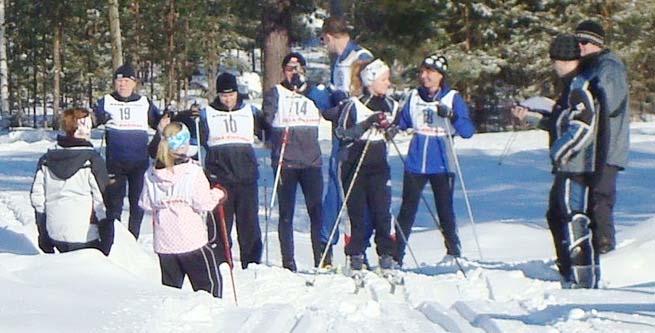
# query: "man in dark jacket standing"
[[608, 76], [292, 110], [126, 116], [228, 129]]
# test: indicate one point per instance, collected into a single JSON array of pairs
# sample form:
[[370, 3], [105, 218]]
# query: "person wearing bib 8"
[[363, 129], [292, 111], [127, 117], [434, 111], [228, 127]]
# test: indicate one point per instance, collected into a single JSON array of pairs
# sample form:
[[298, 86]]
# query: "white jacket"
[[68, 186]]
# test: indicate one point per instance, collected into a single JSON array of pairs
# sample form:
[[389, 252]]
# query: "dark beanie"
[[292, 55], [125, 71], [226, 83], [590, 31], [564, 47]]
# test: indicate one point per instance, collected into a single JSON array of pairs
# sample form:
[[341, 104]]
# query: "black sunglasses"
[[583, 42]]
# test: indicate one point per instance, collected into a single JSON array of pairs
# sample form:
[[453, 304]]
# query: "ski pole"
[[341, 210], [508, 145], [435, 219], [265, 207], [202, 162], [402, 235], [276, 182], [461, 181], [226, 249]]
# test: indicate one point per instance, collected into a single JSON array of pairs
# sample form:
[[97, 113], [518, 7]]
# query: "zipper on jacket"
[[425, 155]]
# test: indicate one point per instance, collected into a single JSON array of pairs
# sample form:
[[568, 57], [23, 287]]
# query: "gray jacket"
[[609, 82]]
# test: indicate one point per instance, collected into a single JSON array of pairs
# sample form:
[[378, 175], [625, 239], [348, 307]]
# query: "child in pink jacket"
[[176, 190]]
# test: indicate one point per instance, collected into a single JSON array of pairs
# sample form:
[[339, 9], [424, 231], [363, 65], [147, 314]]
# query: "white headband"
[[373, 71]]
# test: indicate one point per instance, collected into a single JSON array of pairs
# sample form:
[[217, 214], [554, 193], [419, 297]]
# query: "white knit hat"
[[373, 71]]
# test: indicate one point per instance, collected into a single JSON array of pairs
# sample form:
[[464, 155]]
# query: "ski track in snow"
[[507, 292]]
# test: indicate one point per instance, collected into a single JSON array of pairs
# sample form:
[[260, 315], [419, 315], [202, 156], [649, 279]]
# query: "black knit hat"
[[226, 83], [292, 55], [125, 71], [590, 31], [564, 47]]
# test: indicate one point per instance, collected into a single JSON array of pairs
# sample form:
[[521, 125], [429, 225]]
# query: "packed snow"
[[514, 287]]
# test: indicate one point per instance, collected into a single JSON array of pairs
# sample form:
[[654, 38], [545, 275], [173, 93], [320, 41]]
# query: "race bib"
[[295, 110], [230, 127], [127, 115]]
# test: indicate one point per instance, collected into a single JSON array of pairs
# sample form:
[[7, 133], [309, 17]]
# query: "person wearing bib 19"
[[126, 116], [336, 37], [292, 110], [362, 129], [434, 111], [228, 129]]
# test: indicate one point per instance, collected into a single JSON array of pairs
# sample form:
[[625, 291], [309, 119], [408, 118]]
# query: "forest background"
[[55, 54]]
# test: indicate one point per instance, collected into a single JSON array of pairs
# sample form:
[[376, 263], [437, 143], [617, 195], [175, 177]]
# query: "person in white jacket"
[[176, 190], [67, 192]]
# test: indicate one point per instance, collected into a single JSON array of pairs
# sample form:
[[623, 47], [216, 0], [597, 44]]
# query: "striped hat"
[[590, 31]]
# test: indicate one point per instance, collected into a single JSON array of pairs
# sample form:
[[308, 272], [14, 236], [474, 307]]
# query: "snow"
[[514, 288]]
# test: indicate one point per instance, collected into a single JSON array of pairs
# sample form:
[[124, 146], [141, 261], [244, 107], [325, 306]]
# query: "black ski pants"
[[242, 206], [570, 226], [370, 192], [603, 198], [311, 183], [442, 189], [200, 266], [122, 173]]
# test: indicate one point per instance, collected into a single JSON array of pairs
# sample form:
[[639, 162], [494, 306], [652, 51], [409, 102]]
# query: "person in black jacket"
[[228, 129], [364, 124], [68, 189]]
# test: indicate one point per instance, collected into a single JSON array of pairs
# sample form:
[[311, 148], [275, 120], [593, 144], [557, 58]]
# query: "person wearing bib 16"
[[228, 129], [292, 110], [126, 116], [434, 111], [362, 129]]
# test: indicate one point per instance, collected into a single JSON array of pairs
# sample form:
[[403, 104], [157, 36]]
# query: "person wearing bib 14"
[[292, 110], [228, 127], [434, 111], [126, 116], [363, 127]]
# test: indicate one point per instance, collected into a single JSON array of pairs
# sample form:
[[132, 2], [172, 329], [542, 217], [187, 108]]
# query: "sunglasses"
[[292, 68], [583, 42]]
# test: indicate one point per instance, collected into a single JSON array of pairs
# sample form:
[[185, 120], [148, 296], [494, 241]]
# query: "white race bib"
[[295, 110], [363, 112], [237, 126], [127, 115], [424, 115]]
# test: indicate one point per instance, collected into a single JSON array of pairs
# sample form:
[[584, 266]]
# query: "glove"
[[445, 111], [378, 119], [45, 243], [223, 198], [391, 132], [106, 231]]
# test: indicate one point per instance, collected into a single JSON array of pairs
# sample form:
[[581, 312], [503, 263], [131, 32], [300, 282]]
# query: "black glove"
[[445, 111], [45, 243], [106, 231], [391, 132]]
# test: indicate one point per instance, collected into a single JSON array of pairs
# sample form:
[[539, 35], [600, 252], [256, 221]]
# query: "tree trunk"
[[336, 8], [171, 19], [115, 32], [56, 54], [4, 71], [276, 21], [212, 64]]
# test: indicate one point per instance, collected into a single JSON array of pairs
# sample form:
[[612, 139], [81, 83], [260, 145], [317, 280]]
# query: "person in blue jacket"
[[336, 37], [435, 111], [127, 117], [292, 111]]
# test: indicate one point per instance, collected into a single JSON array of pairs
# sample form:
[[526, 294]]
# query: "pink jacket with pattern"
[[177, 197]]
